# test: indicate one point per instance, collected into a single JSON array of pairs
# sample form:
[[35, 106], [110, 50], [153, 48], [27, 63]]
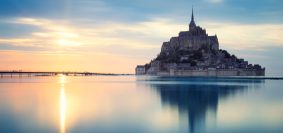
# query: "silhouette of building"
[[195, 53]]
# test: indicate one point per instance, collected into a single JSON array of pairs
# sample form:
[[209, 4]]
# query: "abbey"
[[195, 53]]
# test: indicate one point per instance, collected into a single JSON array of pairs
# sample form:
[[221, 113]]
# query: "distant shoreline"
[[55, 73]]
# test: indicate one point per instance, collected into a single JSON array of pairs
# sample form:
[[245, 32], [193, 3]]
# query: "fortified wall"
[[214, 73]]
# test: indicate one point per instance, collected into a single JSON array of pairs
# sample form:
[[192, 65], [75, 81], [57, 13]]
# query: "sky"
[[113, 36]]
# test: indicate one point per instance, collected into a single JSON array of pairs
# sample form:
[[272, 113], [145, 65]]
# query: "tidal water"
[[139, 104]]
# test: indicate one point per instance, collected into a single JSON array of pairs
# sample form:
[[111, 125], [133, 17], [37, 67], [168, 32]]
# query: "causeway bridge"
[[51, 73]]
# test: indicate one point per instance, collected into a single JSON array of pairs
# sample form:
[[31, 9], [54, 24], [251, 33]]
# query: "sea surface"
[[140, 104]]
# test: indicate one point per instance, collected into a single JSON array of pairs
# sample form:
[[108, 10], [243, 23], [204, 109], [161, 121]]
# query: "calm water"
[[132, 104]]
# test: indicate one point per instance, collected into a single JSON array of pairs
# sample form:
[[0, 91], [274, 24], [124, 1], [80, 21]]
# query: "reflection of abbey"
[[194, 53]]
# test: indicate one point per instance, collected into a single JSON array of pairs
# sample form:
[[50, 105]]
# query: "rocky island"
[[195, 53]]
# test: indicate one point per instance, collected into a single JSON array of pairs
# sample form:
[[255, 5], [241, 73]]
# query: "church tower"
[[192, 23]]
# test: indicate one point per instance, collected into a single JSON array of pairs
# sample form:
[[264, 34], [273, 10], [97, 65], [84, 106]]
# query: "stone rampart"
[[217, 72]]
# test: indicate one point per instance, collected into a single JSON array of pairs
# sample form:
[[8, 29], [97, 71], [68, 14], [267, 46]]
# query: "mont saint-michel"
[[195, 53]]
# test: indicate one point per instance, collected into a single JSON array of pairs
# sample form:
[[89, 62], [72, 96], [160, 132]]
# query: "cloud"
[[246, 36], [132, 44], [63, 35], [56, 34]]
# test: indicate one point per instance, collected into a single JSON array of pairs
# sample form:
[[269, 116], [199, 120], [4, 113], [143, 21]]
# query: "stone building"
[[192, 40], [195, 53], [140, 70]]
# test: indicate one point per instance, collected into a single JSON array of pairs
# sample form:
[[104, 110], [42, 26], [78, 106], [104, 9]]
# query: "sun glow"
[[68, 39], [66, 42], [63, 105]]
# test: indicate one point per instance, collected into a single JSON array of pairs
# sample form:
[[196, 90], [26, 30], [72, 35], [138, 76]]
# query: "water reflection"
[[63, 104], [121, 104], [195, 100]]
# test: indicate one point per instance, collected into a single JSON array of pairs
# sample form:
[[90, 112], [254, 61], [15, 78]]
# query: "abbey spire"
[[192, 23], [192, 18]]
